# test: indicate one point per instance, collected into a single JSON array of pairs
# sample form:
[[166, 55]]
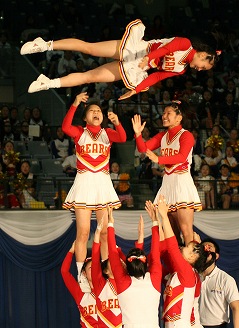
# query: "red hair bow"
[[218, 52]]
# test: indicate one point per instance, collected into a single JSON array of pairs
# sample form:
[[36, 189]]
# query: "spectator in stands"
[[8, 133], [27, 115], [36, 119], [121, 184], [61, 147], [206, 187], [7, 197], [217, 94], [234, 142], [14, 120], [24, 134], [224, 189], [5, 114], [66, 64], [10, 159], [207, 111], [228, 112], [230, 160], [69, 164], [212, 157]]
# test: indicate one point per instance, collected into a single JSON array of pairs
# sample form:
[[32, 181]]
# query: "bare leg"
[[83, 218], [103, 235], [98, 49], [185, 221], [105, 73]]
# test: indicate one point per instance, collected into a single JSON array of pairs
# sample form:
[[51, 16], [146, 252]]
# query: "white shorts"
[[93, 191], [180, 192]]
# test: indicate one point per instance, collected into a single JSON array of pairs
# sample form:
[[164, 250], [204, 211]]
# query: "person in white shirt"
[[219, 292]]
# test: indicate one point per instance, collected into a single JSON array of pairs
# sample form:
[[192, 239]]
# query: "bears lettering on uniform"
[[94, 149], [169, 152], [89, 310], [109, 304], [169, 61]]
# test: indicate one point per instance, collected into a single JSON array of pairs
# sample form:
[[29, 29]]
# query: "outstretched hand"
[[82, 97], [137, 126], [113, 118], [162, 206], [150, 208], [128, 94]]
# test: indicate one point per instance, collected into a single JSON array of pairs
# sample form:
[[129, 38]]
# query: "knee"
[[82, 237]]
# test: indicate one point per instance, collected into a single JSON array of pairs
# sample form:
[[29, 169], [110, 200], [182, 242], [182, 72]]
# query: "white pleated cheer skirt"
[[93, 191], [132, 49], [180, 192]]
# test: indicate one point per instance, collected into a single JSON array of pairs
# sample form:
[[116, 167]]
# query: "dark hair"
[[202, 46], [25, 161], [212, 241], [135, 267], [87, 260], [225, 166], [104, 267], [202, 263]]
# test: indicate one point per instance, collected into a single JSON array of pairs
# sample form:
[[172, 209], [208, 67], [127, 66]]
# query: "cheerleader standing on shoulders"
[[92, 189], [176, 154]]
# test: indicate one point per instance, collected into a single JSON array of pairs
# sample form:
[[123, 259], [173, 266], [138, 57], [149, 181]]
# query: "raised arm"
[[119, 134], [70, 282], [67, 127]]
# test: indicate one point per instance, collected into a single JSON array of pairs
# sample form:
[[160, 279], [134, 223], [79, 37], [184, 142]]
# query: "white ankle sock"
[[55, 83], [49, 45]]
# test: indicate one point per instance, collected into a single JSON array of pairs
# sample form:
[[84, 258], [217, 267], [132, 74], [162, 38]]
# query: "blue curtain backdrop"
[[32, 293]]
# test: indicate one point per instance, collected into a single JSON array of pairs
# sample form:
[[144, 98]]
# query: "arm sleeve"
[[186, 144], [154, 78], [122, 279], [70, 282], [184, 270], [155, 268], [98, 280], [118, 135], [67, 127], [177, 44], [151, 144]]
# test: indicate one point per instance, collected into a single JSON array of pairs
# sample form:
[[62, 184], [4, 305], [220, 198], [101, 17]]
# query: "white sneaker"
[[31, 47], [42, 83]]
